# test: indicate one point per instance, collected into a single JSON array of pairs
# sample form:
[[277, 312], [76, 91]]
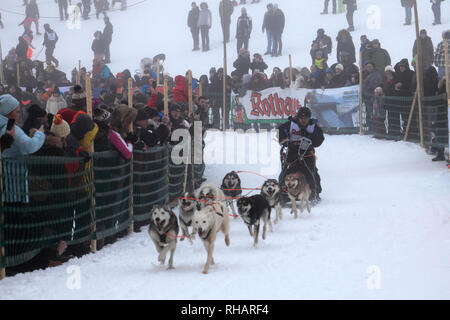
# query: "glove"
[[131, 137]]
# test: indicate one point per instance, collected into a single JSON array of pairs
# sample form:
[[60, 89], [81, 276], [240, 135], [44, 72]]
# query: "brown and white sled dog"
[[188, 205], [209, 193], [231, 187], [163, 231], [252, 210], [208, 221], [271, 191], [298, 189]]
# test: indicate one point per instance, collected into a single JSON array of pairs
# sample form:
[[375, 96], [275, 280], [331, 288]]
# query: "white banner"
[[334, 108]]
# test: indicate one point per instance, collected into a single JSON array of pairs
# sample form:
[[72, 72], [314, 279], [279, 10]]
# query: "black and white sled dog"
[[271, 191], [231, 187], [188, 205], [252, 210], [207, 222], [164, 230], [209, 193]]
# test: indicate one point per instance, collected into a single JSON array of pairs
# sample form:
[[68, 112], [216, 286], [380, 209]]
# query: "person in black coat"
[[351, 8], [299, 159], [258, 63], [107, 36], [86, 8], [32, 11], [243, 30], [98, 46], [50, 39], [63, 5], [278, 22], [192, 23], [398, 110], [324, 42], [242, 63], [225, 17], [21, 49], [325, 7], [407, 4], [345, 44]]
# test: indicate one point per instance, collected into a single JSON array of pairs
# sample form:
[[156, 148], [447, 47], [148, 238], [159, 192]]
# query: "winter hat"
[[339, 66], [175, 107], [152, 113], [446, 34], [60, 127], [67, 114], [7, 104], [77, 89], [56, 90], [375, 41], [102, 115], [389, 68], [79, 100], [303, 112], [403, 62], [142, 115], [35, 111], [122, 117], [329, 70]]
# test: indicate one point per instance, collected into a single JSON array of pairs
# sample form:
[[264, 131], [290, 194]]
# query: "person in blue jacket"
[[23, 144], [300, 135]]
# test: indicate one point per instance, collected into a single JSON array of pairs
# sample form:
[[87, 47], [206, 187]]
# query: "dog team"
[[206, 212]]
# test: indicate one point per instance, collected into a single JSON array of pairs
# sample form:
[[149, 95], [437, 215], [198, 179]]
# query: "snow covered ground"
[[382, 231], [155, 26]]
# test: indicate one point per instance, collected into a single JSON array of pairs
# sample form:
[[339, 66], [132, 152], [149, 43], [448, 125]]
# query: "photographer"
[[149, 130]]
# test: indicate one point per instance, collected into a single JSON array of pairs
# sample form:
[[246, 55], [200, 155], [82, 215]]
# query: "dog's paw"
[[205, 271]]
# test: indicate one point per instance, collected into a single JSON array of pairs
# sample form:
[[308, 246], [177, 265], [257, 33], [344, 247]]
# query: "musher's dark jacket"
[[312, 131]]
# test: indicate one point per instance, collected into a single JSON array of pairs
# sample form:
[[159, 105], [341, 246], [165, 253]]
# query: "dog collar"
[[186, 224], [207, 235]]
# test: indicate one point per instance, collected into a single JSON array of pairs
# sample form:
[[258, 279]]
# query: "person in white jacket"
[[204, 23], [56, 102]]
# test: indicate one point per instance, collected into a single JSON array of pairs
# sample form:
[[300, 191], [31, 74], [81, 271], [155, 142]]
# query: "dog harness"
[[207, 235], [185, 223]]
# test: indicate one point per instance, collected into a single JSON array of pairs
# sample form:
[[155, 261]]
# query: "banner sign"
[[334, 108]]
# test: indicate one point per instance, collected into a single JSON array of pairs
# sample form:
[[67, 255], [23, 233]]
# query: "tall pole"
[[360, 94], [79, 73], [447, 80], [190, 100], [158, 70], [131, 202], [18, 74], [290, 71], [419, 71], [91, 167], [166, 98], [2, 75], [2, 222], [224, 100]]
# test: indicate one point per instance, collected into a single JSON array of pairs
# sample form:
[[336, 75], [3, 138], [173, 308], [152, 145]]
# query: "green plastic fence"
[[48, 199], [387, 117]]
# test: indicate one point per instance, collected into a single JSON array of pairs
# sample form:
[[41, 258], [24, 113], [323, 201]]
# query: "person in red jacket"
[[180, 91]]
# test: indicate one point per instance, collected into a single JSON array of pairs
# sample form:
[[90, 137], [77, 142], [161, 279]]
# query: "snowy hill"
[[151, 27]]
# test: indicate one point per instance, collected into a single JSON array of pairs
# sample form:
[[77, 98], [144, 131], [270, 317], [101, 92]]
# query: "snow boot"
[[439, 157]]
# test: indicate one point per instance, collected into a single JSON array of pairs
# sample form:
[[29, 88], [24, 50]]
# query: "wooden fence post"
[[290, 70], [411, 111], [2, 222], [91, 167], [419, 72], [360, 94], [18, 74], [166, 98], [131, 129], [2, 74], [447, 82], [78, 80]]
